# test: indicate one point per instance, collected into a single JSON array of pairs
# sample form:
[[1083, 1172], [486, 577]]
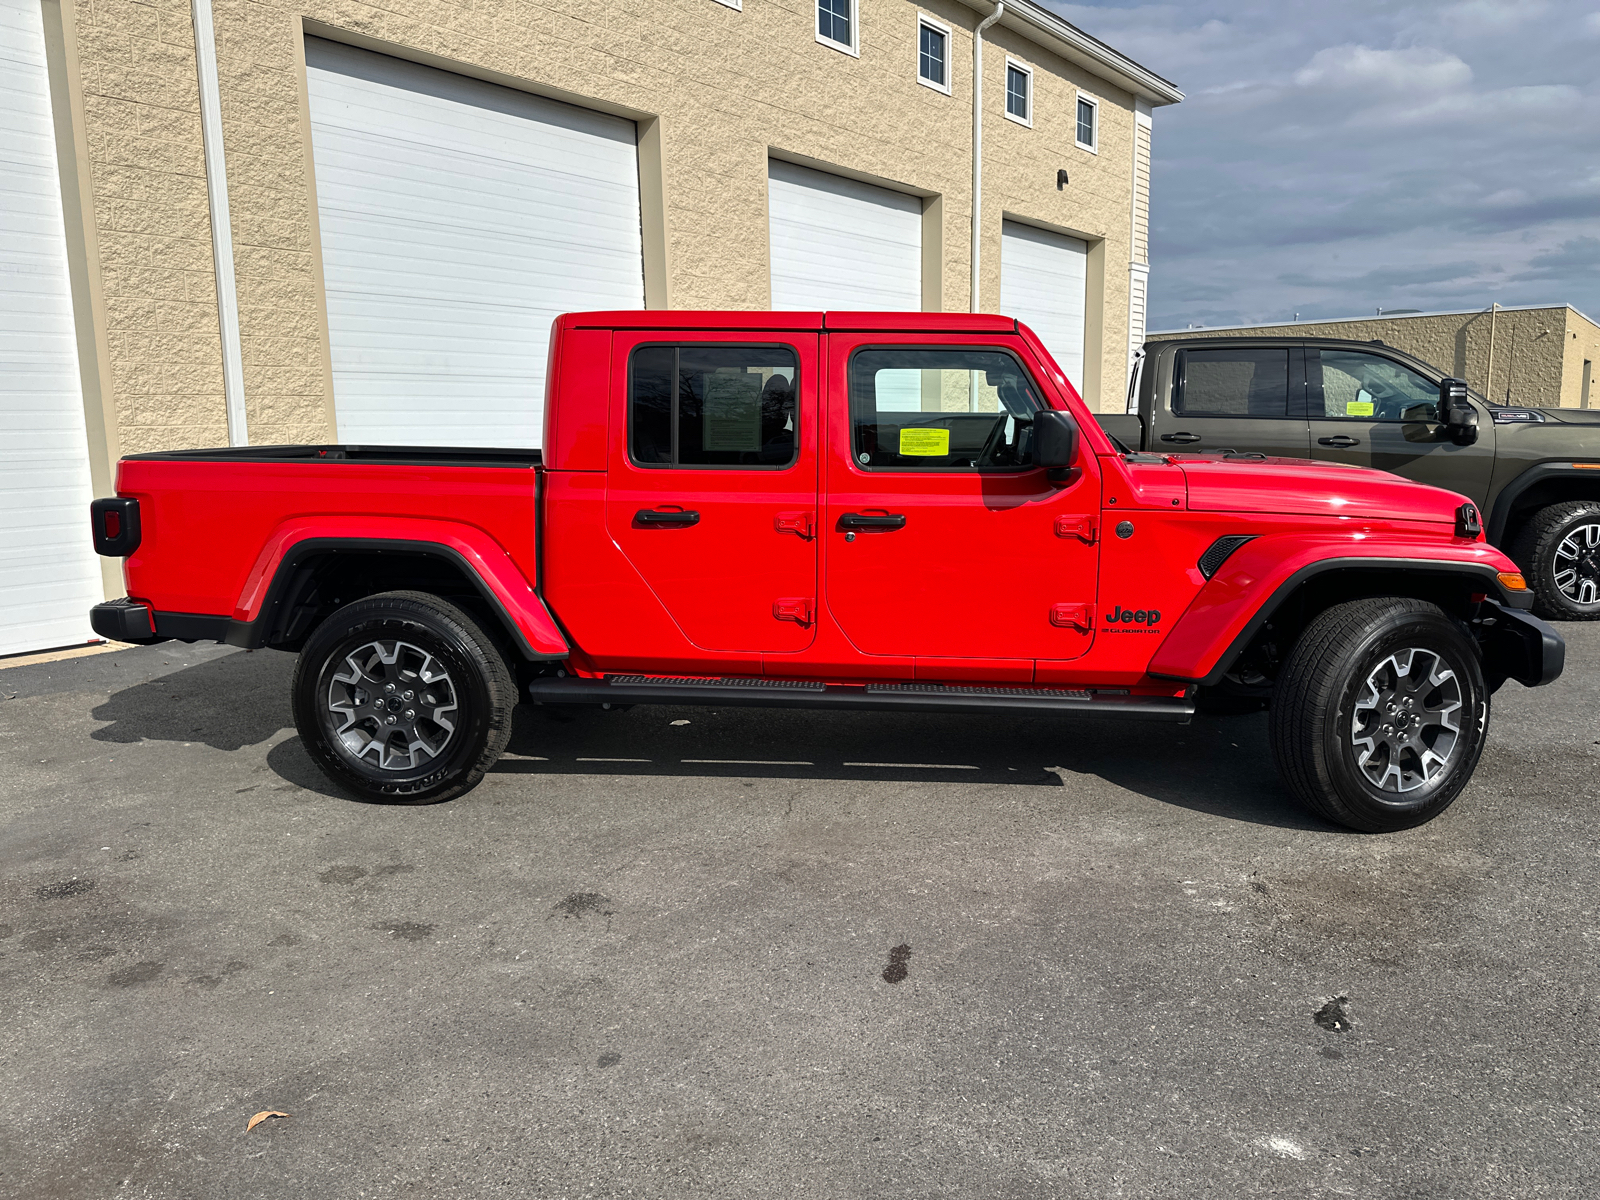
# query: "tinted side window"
[[713, 406], [924, 410], [1367, 387], [1232, 383]]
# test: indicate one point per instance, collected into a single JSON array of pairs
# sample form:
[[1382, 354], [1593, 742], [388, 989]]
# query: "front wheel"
[[1559, 552], [402, 698], [1379, 714]]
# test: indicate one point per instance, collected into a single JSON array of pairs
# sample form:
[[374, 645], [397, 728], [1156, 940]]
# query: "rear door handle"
[[872, 521], [1344, 441], [651, 516], [1181, 438]]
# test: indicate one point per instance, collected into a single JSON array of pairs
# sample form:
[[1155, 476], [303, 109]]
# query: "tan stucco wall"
[[716, 91], [147, 178], [1582, 342], [1536, 360]]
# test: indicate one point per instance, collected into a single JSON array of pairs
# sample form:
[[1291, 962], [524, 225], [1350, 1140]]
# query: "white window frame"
[[1005, 93], [923, 19], [1091, 147], [736, 5], [854, 51]]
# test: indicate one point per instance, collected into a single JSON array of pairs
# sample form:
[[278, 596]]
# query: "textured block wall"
[[728, 87]]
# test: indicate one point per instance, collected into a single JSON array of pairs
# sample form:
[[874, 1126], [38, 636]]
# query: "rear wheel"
[[1379, 714], [1559, 552], [402, 698]]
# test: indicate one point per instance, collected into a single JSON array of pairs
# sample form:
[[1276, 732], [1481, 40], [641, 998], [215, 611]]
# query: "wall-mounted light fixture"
[[1061, 180]]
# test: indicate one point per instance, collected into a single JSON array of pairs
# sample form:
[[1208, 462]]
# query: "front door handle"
[[670, 517], [1183, 439], [872, 521], [1343, 441]]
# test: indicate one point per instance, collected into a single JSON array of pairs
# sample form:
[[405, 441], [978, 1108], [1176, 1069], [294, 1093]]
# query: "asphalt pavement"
[[689, 952]]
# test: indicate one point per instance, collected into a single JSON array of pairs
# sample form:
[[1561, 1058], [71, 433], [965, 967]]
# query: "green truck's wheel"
[[1379, 714], [401, 698], [1559, 553]]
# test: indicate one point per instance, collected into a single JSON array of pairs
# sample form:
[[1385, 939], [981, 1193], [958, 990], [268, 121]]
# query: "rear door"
[[1371, 410], [712, 482], [1231, 398], [943, 541]]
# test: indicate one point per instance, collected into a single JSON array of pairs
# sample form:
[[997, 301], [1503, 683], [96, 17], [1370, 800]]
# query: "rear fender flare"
[[478, 556], [1265, 573]]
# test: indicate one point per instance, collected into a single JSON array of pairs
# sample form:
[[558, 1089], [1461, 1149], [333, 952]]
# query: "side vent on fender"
[[1212, 560]]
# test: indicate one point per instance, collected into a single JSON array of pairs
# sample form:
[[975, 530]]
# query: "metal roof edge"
[[1153, 334], [1072, 43]]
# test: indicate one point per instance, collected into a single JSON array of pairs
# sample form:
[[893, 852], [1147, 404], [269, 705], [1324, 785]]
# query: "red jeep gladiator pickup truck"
[[834, 510]]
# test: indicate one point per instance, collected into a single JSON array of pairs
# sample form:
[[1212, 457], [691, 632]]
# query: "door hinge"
[[794, 522], [1072, 616], [1082, 528], [792, 608]]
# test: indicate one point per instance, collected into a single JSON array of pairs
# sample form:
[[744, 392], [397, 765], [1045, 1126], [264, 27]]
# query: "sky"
[[1334, 158]]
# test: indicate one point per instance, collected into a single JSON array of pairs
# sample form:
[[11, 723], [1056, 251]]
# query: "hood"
[[1294, 485]]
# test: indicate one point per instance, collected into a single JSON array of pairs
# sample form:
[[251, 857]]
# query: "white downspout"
[[977, 142], [205, 53]]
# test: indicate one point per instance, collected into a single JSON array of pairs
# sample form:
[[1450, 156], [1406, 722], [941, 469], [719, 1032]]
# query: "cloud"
[[1365, 70], [1335, 158]]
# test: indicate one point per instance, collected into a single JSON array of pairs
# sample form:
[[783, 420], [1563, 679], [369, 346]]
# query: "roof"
[[1410, 316], [758, 319], [1040, 25]]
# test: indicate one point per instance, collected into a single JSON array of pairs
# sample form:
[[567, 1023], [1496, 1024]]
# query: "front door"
[[712, 493], [944, 541], [1232, 398], [1372, 411]]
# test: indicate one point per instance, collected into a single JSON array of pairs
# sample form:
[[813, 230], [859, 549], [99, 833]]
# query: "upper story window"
[[836, 24], [1019, 92], [1088, 135], [933, 54], [713, 406]]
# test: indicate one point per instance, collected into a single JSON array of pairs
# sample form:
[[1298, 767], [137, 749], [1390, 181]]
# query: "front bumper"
[[1518, 645], [124, 620]]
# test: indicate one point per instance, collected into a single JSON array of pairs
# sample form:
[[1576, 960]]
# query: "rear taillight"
[[115, 523]]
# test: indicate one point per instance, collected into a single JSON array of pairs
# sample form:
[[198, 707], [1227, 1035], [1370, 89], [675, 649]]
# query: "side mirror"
[[1456, 413], [1055, 442]]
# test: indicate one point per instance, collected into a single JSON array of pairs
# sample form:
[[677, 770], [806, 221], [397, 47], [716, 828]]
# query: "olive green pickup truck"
[[1535, 472]]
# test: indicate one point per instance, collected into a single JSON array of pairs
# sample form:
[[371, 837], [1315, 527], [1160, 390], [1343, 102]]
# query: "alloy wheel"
[[392, 705], [1406, 724], [1577, 565]]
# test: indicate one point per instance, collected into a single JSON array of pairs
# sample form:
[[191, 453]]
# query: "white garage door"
[[458, 220], [49, 575], [1042, 279], [840, 244]]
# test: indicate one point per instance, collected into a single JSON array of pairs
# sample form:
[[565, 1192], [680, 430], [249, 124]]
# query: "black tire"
[[1333, 693], [446, 717], [1559, 553]]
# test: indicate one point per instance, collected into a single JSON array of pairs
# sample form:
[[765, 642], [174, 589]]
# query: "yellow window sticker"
[[1358, 408], [925, 443]]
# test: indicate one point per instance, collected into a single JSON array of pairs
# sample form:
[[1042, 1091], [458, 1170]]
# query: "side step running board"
[[897, 697]]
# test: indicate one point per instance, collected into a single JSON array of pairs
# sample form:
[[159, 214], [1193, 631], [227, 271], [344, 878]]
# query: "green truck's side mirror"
[[1456, 413]]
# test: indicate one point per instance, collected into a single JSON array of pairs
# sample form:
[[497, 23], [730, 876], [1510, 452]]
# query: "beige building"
[[1539, 355], [259, 221]]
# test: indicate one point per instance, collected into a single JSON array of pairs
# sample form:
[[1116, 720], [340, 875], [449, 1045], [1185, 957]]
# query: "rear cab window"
[[914, 409], [708, 406]]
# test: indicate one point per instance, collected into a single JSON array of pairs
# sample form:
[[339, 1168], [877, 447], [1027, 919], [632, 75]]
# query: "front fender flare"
[[1256, 580]]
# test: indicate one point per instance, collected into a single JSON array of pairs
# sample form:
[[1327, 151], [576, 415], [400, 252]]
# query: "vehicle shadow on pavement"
[[1221, 766], [226, 703], [1218, 765]]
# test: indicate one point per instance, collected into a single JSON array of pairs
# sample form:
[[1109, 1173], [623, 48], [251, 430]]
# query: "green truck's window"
[[1232, 383], [1350, 385]]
